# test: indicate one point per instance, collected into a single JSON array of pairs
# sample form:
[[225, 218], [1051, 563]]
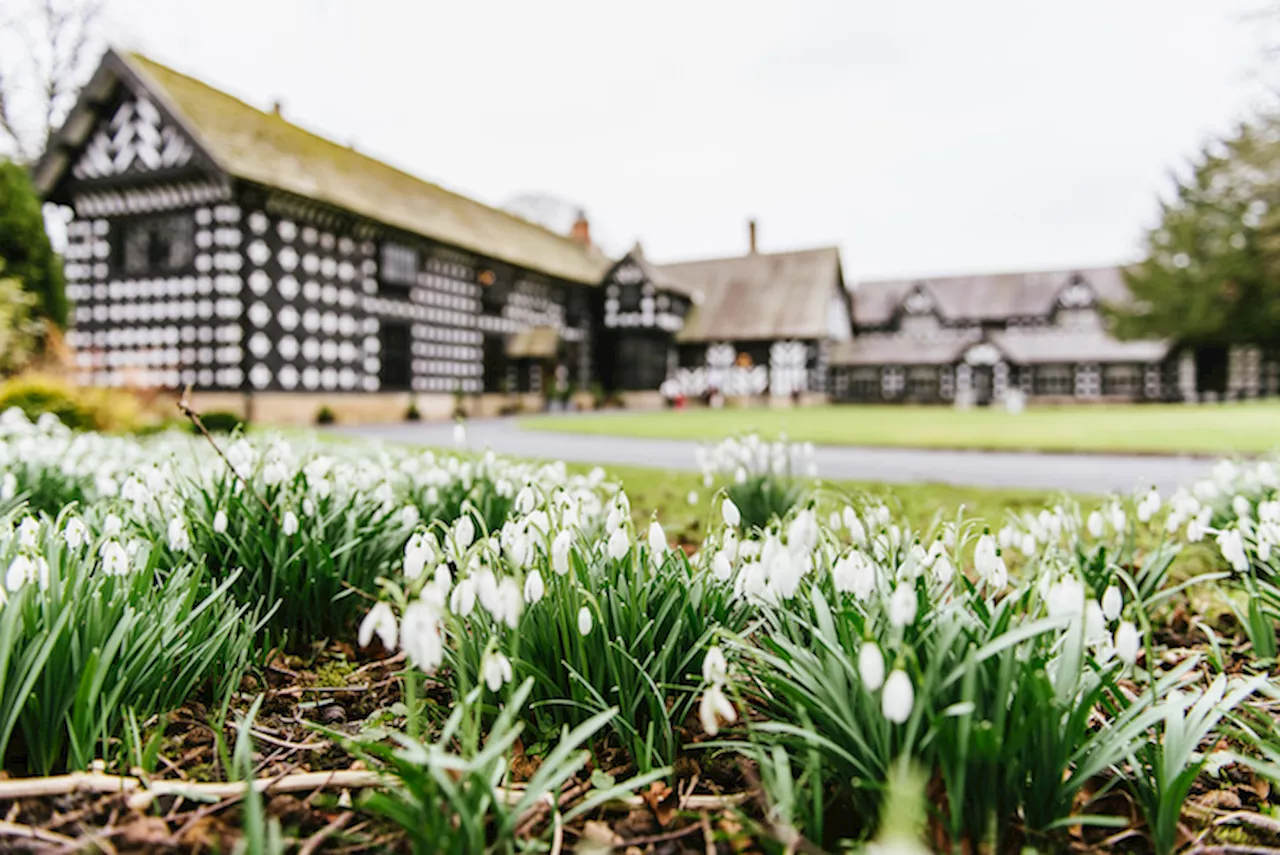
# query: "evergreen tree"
[[1211, 277], [24, 246]]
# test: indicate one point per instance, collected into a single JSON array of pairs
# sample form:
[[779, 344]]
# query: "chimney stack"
[[751, 236], [277, 108], [581, 230]]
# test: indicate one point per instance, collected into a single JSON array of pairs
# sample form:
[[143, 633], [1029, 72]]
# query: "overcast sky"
[[918, 135]]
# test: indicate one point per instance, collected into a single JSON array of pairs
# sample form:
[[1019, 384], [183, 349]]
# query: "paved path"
[[1075, 472]]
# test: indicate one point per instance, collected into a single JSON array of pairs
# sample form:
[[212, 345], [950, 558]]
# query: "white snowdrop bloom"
[[463, 598], [433, 496], [520, 550], [115, 561], [1004, 537], [833, 521], [752, 581], [459, 434], [1095, 524], [1199, 527], [1028, 546], [898, 697], [421, 637], [1149, 505], [560, 552], [871, 666], [28, 532], [21, 570], [496, 669], [657, 539], [986, 557], [902, 605], [721, 566], [1066, 597], [289, 525], [1231, 545], [525, 501], [308, 507], [1117, 520], [692, 498], [220, 522], [729, 513], [715, 708], [714, 666], [619, 544], [740, 476], [179, 539], [614, 521], [487, 590], [274, 473], [464, 532], [1127, 643], [802, 532], [854, 574], [1240, 505], [380, 621], [785, 571], [585, 621], [1095, 624], [533, 587], [999, 573], [1112, 602], [8, 487], [510, 603], [75, 533], [707, 480], [943, 570], [857, 533]]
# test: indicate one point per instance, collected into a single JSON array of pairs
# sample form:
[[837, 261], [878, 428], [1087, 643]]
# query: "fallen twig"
[[184, 406], [335, 825], [15, 829]]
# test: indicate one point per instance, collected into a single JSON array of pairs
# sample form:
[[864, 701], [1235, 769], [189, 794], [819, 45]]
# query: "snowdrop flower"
[[308, 507], [1241, 506], [740, 476], [28, 532], [707, 480], [714, 666], [1149, 505], [802, 532], [289, 525], [459, 433], [871, 666], [857, 533], [618, 544], [463, 598], [9, 487], [833, 521], [989, 564], [1028, 545], [421, 636], [714, 709], [730, 513], [943, 570], [721, 566], [179, 539], [1095, 524], [902, 605], [692, 498], [898, 697], [75, 533], [220, 522], [1118, 521], [560, 552], [657, 539], [525, 501], [380, 621], [464, 532], [1231, 545], [1095, 624], [854, 574], [115, 561], [111, 526], [509, 603], [585, 621], [1127, 642], [496, 669], [1066, 597], [1199, 526], [533, 587], [1112, 603], [21, 570], [409, 516]]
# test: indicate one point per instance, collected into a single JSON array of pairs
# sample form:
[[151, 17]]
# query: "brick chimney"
[[277, 108], [581, 230], [751, 236]]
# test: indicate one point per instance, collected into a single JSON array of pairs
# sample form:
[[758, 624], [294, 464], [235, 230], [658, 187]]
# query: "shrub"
[[326, 416], [413, 414], [79, 408], [220, 421]]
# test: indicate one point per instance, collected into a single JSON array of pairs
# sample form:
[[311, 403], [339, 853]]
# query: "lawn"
[[1241, 428]]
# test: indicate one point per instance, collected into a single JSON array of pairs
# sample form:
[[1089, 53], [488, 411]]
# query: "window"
[[1054, 380], [642, 362], [156, 245], [1122, 380], [892, 381], [399, 264], [864, 384], [922, 383]]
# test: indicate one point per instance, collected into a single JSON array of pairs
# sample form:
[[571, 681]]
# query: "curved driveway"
[[1084, 473]]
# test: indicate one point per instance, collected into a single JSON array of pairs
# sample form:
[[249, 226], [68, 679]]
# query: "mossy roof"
[[266, 149]]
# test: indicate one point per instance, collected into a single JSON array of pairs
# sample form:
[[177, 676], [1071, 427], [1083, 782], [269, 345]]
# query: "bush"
[[79, 408], [220, 421], [326, 416], [413, 414]]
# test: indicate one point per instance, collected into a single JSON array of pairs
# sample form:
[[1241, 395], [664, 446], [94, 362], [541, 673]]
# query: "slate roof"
[[984, 296], [1090, 344], [264, 148], [761, 296], [890, 349]]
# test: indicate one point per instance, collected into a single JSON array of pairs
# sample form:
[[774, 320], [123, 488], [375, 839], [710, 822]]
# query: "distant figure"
[[670, 391]]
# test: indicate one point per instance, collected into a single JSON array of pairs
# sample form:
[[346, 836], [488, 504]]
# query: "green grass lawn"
[[1240, 428]]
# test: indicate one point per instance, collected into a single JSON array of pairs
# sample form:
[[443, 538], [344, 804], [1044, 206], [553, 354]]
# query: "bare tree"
[[48, 49]]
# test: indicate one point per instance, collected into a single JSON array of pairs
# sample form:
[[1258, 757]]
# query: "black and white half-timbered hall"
[[220, 246]]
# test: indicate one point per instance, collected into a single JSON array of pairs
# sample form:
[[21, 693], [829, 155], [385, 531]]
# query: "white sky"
[[918, 135]]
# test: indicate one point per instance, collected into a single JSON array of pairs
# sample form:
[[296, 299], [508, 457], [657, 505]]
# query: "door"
[[981, 378], [396, 357]]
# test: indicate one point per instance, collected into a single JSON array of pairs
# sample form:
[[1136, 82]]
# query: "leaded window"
[[399, 264], [1054, 380], [153, 245]]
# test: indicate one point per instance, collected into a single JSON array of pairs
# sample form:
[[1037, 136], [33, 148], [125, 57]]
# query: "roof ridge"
[[810, 249], [973, 274], [347, 150]]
